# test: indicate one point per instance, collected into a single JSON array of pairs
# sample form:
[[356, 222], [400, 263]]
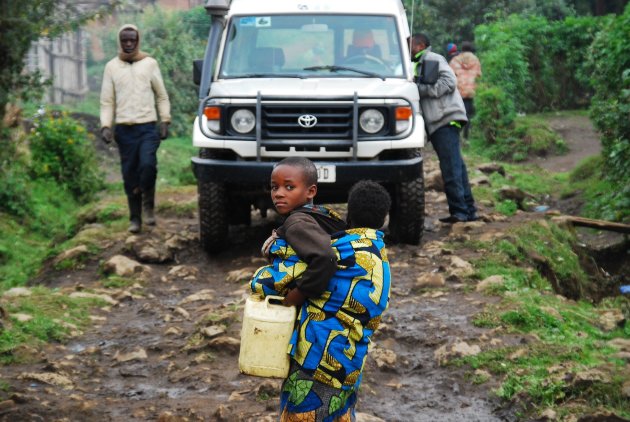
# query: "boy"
[[329, 344]]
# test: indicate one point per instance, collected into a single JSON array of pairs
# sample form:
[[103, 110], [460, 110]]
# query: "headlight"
[[371, 120], [243, 121]]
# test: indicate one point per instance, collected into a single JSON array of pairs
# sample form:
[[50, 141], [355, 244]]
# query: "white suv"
[[325, 79]]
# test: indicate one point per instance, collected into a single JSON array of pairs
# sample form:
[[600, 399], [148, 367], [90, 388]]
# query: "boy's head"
[[293, 184], [368, 205]]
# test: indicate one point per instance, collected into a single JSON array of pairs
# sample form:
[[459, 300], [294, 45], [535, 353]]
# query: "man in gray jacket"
[[444, 115]]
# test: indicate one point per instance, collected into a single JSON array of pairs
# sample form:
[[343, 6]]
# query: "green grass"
[[564, 334], [53, 317], [174, 162]]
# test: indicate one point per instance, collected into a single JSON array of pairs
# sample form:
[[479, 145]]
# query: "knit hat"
[[451, 48]]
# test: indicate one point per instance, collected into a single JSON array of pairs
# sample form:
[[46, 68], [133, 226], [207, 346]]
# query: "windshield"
[[305, 46]]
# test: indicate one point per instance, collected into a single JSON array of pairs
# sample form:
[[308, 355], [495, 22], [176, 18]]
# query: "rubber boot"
[[148, 207], [135, 213]]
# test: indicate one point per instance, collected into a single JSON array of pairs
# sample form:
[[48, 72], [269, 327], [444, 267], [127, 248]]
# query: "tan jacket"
[[467, 68], [130, 91]]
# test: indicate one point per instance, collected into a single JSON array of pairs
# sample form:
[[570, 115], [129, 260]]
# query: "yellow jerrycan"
[[265, 336]]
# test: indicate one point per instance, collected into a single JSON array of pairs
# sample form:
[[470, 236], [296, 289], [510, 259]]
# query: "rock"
[[183, 312], [623, 344], [242, 274], [514, 194], [205, 294], [269, 388], [480, 373], [213, 331], [137, 354], [222, 413], [365, 417], [22, 317], [49, 378], [611, 319], [124, 267], [490, 282], [585, 379], [489, 168], [152, 251], [384, 358], [549, 415], [167, 416], [176, 243], [480, 181], [460, 228], [6, 406], [449, 351], [625, 389], [225, 343], [460, 268], [174, 331], [73, 253], [430, 280], [17, 292], [433, 181], [184, 272], [87, 295]]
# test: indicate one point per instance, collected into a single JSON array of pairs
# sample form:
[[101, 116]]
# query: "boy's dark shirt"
[[308, 230]]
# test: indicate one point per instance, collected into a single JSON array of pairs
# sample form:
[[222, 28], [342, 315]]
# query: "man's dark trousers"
[[138, 145], [460, 200]]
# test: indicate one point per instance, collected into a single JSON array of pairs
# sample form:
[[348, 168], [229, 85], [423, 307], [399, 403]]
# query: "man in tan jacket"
[[467, 68], [132, 86]]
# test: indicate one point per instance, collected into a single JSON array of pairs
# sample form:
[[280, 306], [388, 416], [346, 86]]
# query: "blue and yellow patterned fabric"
[[332, 333]]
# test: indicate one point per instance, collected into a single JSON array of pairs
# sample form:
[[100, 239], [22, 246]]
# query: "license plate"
[[326, 173]]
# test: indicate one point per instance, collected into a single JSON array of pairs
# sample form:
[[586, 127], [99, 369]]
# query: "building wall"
[[63, 61]]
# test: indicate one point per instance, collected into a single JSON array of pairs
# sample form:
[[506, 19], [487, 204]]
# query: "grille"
[[333, 122]]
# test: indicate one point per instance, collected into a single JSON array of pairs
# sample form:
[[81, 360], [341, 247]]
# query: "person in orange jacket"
[[467, 68]]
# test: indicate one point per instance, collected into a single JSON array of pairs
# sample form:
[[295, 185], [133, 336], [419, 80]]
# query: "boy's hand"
[[267, 245], [294, 298]]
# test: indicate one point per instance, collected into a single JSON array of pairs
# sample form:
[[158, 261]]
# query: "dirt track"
[[146, 357]]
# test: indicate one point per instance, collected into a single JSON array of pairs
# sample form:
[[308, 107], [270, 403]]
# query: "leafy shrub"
[[15, 182], [62, 151]]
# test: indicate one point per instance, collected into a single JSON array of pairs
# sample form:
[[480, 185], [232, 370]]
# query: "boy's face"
[[289, 189]]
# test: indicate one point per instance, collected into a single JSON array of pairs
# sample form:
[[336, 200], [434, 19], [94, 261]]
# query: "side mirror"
[[197, 68]]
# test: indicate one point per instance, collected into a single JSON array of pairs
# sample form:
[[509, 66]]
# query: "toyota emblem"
[[307, 121]]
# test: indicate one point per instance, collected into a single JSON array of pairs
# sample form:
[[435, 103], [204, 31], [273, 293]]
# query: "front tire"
[[406, 216], [213, 215]]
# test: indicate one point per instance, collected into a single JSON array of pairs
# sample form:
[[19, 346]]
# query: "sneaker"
[[134, 227], [451, 219]]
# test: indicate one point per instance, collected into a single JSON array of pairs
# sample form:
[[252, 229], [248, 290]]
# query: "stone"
[[205, 294], [549, 414], [623, 344], [184, 272], [51, 378], [152, 252], [384, 358], [22, 317], [625, 389], [225, 343], [430, 280], [17, 292], [69, 254], [239, 275], [480, 181], [489, 168], [137, 354], [449, 351], [611, 319], [460, 268], [366, 417], [87, 295], [122, 266], [490, 282], [466, 227], [213, 331]]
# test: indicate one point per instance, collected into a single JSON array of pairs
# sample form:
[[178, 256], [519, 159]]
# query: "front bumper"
[[347, 172]]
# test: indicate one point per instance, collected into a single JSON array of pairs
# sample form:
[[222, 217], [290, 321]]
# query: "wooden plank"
[[597, 224]]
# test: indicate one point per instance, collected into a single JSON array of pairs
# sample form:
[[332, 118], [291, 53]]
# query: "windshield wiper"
[[335, 68]]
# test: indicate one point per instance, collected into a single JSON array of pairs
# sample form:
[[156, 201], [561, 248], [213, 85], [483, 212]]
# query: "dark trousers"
[[470, 112], [138, 145], [461, 203]]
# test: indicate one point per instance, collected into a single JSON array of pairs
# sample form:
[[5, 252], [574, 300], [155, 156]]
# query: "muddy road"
[[165, 347]]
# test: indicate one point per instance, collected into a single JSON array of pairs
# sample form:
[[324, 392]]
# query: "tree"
[[21, 23]]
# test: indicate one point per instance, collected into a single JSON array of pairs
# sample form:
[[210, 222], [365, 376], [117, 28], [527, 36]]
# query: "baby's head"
[[293, 184], [368, 205]]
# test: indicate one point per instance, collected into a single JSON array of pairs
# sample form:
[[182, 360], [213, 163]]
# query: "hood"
[[136, 54], [313, 87]]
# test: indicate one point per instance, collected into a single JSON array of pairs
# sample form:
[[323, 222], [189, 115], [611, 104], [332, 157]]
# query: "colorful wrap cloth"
[[330, 342]]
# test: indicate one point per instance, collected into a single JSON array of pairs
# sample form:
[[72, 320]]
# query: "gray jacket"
[[440, 102]]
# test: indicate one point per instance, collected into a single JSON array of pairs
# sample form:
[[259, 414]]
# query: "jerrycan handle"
[[273, 300]]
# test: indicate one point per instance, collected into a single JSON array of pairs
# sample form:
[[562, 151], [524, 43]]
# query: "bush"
[[62, 151]]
